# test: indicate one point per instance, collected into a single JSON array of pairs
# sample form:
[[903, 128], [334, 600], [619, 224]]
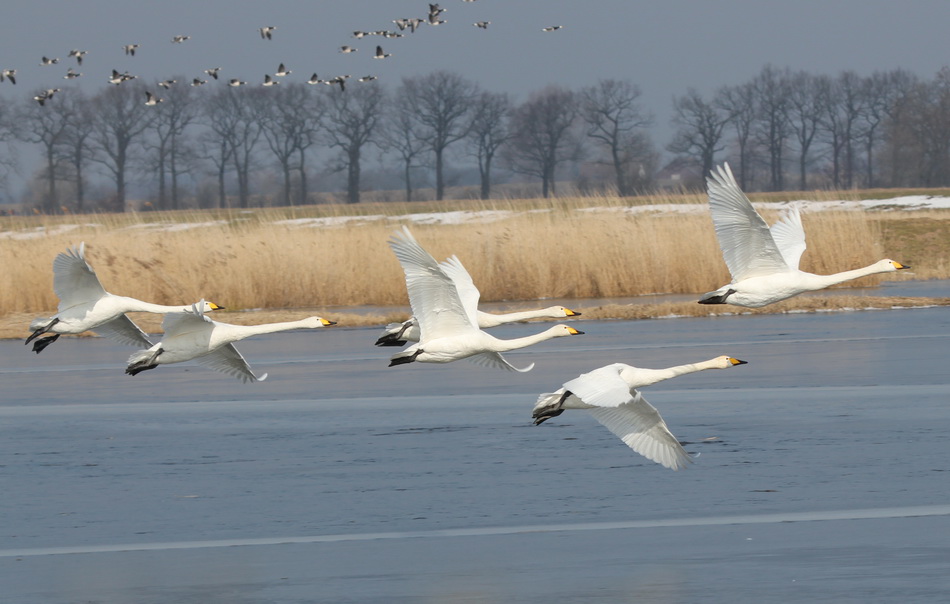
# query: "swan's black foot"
[[42, 343], [144, 363], [139, 368], [391, 339], [714, 298], [545, 413], [41, 331], [404, 359]]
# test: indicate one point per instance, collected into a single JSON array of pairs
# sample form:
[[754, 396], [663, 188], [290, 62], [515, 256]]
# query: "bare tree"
[[234, 115], [172, 117], [352, 117], [399, 134], [488, 131], [440, 103], [700, 128], [45, 125], [612, 111], [542, 135], [852, 104], [884, 94], [76, 147], [805, 103], [739, 104], [291, 122], [217, 150], [771, 94], [121, 118]]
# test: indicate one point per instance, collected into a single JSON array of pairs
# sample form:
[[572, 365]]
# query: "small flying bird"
[[236, 82], [434, 19], [151, 100], [269, 81], [380, 54], [341, 80], [552, 28], [45, 95], [180, 39], [348, 49], [266, 32], [392, 34], [71, 74], [79, 54], [482, 24], [213, 72], [8, 74], [315, 80], [130, 49], [48, 61], [117, 78], [282, 71], [198, 82], [435, 9], [359, 34], [412, 24], [167, 84], [367, 78]]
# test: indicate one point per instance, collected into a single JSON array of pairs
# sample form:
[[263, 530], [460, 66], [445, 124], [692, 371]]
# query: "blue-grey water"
[[340, 479]]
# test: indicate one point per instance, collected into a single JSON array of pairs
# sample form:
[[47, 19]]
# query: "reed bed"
[[514, 249]]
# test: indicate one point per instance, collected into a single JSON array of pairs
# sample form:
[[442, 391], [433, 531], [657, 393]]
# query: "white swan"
[[610, 394], [398, 334], [763, 262], [446, 312], [192, 335], [85, 306]]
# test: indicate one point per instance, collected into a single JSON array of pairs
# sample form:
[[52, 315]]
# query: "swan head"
[[725, 361], [565, 330], [563, 311], [892, 265], [205, 306], [314, 322]]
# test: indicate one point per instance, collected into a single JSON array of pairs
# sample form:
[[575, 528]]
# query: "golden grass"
[[542, 250]]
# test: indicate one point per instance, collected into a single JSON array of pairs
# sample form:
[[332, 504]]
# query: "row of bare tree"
[[887, 129]]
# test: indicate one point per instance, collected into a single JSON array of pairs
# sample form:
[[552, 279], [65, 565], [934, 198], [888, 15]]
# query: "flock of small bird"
[[447, 326], [433, 18]]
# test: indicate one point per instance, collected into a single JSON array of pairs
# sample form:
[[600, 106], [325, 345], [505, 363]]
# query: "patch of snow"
[[171, 227], [330, 221], [36, 232]]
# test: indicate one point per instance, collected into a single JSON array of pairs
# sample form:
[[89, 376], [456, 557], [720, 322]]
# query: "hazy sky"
[[664, 46]]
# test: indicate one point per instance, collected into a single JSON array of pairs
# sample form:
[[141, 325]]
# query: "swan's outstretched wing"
[[434, 298], [74, 281], [468, 293], [789, 236], [122, 329], [602, 387], [640, 426], [494, 359], [746, 242], [228, 360], [180, 323]]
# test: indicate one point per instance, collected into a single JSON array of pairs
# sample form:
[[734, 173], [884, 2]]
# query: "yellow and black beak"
[[737, 361], [215, 306], [898, 265], [574, 332], [572, 313], [327, 322]]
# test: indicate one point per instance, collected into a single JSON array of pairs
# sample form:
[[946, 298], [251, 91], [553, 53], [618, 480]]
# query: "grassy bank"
[[588, 247]]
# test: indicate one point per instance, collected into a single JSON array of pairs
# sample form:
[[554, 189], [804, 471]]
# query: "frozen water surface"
[[340, 479]]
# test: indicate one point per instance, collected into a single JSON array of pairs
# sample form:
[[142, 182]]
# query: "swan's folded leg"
[[717, 297], [549, 405], [39, 327], [402, 359], [142, 361]]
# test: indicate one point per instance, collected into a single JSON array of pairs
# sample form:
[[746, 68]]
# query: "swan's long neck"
[[512, 317], [135, 305], [823, 281], [516, 343], [247, 331], [646, 377]]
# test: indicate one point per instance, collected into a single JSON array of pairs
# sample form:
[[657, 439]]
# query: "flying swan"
[[192, 335], [610, 394], [764, 262], [85, 306], [444, 301]]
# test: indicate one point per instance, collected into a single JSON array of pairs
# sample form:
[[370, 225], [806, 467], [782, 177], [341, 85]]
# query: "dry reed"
[[541, 250]]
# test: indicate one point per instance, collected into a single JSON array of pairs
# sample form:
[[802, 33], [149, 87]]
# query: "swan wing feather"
[[74, 280], [744, 237], [789, 235], [494, 359], [122, 329], [639, 425], [435, 300], [602, 387], [178, 323], [468, 292], [227, 359]]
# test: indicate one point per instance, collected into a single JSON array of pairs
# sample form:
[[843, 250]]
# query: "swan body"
[[764, 262], [445, 306], [398, 334], [192, 335], [84, 305], [611, 395]]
